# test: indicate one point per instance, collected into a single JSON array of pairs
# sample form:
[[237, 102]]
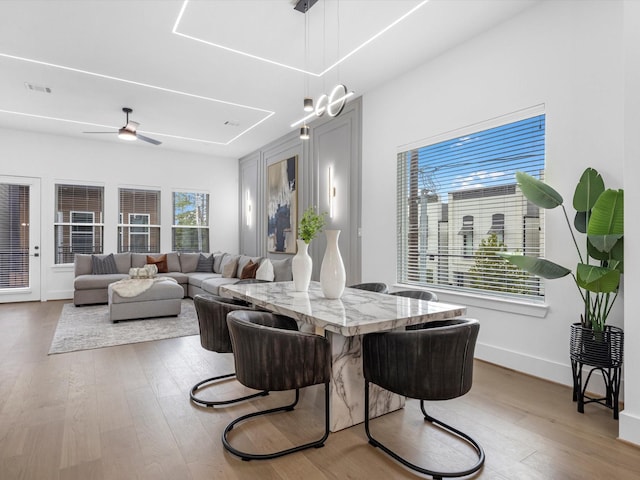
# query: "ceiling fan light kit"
[[124, 134]]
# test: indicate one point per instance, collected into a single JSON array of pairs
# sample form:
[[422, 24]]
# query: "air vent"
[[36, 88]]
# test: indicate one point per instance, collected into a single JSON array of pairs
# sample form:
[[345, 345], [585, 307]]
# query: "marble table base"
[[347, 386]]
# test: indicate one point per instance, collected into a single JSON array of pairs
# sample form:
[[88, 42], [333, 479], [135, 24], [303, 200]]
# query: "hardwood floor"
[[124, 413]]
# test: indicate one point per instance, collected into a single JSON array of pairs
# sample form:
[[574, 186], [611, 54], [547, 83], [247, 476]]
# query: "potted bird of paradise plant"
[[599, 218]]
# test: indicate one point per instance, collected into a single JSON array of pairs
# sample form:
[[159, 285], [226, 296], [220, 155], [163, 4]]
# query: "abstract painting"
[[282, 206]]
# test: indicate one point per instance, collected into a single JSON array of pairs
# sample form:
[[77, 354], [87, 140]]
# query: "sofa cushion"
[[104, 264], [189, 261], [196, 278], [265, 271], [82, 264], [249, 271], [205, 263], [217, 261], [92, 282], [160, 261], [212, 285], [230, 265], [282, 270]]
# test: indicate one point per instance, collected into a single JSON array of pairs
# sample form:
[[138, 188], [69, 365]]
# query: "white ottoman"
[[161, 297]]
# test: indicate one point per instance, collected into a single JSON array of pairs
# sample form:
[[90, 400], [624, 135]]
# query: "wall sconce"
[[332, 193], [248, 208]]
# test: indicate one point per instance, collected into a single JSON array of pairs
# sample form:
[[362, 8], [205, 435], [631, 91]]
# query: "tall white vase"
[[332, 274], [301, 266]]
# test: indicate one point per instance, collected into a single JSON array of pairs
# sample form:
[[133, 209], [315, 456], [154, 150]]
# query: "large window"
[[139, 227], [190, 222], [458, 205], [78, 222]]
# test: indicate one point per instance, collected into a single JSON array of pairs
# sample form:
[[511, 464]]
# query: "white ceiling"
[[188, 68]]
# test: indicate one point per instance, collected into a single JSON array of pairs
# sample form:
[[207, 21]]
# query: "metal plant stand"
[[602, 351]]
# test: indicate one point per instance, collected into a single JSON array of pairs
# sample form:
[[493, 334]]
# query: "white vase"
[[332, 274], [301, 266]]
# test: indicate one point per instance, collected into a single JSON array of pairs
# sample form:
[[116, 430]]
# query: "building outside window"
[[78, 224], [459, 205], [141, 210], [467, 235], [190, 230]]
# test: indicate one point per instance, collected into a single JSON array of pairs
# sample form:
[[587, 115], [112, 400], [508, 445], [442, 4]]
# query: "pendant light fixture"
[[308, 104], [308, 101]]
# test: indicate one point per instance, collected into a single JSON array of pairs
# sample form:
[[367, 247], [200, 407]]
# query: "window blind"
[[458, 205], [78, 223], [139, 222], [14, 236]]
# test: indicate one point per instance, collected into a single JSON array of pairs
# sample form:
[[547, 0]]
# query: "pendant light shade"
[[304, 132], [308, 104]]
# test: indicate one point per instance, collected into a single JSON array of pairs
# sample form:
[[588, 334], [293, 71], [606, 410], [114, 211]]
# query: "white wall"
[[57, 159], [566, 55], [630, 417]]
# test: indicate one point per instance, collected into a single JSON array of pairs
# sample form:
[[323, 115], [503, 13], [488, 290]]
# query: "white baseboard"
[[539, 367], [59, 295], [629, 429]]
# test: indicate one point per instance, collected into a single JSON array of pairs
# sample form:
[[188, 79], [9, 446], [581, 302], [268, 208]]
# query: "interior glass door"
[[19, 239]]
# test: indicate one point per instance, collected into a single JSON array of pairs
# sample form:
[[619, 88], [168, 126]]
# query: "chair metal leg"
[[286, 408], [213, 403], [435, 474]]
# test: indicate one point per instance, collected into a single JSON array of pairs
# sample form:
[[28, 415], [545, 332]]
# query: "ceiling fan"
[[129, 131]]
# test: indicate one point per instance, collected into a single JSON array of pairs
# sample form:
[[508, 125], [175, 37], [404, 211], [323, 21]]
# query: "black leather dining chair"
[[212, 313], [419, 294], [431, 363], [379, 287], [271, 355]]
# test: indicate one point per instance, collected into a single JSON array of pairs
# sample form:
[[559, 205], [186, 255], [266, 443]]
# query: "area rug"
[[84, 328]]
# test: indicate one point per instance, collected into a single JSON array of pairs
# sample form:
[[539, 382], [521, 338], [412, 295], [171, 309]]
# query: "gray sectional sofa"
[[195, 272]]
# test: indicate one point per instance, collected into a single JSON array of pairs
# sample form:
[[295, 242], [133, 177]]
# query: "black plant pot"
[[602, 351]]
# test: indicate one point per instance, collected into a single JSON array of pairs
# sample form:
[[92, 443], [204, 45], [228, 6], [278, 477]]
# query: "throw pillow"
[[160, 262], [265, 271], [217, 261], [249, 271], [104, 265], [282, 270], [205, 264], [229, 267]]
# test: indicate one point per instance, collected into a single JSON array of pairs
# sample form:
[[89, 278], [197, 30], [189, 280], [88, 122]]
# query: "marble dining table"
[[343, 321]]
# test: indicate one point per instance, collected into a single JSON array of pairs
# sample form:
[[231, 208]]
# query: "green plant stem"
[[566, 217]]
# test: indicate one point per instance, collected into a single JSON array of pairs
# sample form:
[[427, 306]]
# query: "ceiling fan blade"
[[131, 126], [147, 139], [99, 132]]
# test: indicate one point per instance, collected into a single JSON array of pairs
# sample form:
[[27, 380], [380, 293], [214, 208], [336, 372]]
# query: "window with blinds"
[[78, 223], [190, 229], [139, 220], [459, 204]]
